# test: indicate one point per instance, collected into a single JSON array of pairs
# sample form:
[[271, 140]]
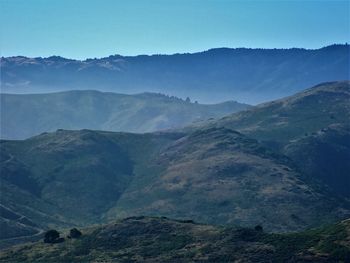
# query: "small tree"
[[51, 236], [188, 100], [74, 233]]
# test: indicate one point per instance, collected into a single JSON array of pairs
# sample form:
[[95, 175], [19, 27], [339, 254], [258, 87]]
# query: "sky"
[[98, 28]]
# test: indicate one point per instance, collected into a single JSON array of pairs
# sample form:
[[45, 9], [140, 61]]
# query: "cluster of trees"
[[188, 100], [53, 236]]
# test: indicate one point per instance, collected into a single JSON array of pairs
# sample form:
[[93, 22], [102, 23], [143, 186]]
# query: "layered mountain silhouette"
[[23, 116], [208, 172], [246, 75]]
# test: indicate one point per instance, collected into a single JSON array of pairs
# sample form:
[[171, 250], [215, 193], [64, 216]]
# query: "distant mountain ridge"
[[246, 75], [26, 115]]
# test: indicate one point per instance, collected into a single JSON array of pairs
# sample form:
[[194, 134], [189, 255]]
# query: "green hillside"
[[324, 155], [146, 239], [310, 127], [219, 176], [211, 174], [43, 177], [280, 121], [23, 116]]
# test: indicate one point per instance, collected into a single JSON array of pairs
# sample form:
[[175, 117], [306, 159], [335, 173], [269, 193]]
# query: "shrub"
[[74, 233], [51, 236]]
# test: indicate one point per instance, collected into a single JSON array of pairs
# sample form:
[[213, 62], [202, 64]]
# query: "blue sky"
[[97, 28]]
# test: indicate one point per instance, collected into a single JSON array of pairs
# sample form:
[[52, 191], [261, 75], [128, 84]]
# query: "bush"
[[51, 236], [74, 233]]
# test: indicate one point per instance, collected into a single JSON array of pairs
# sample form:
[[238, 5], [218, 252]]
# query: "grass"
[[149, 239]]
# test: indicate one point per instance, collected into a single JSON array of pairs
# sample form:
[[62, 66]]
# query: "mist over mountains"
[[209, 172], [245, 75], [26, 115], [89, 155], [175, 131]]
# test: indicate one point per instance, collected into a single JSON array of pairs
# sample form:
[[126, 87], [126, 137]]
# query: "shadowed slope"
[[221, 176], [146, 239]]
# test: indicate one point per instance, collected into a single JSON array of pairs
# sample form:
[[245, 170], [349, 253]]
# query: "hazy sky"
[[97, 28]]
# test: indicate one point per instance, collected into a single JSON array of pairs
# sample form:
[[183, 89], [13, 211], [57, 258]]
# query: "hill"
[[247, 75], [214, 176], [145, 239], [289, 118], [211, 174], [310, 127], [43, 177], [23, 116], [324, 155], [219, 176]]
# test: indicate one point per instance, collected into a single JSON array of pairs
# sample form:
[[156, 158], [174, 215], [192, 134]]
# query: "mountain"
[[43, 177], [23, 116], [219, 176], [213, 176], [149, 239], [324, 155], [295, 116], [247, 75], [209, 173], [310, 127]]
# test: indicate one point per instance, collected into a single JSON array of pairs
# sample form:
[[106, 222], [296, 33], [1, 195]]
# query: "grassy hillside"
[[23, 116], [43, 177], [283, 120], [222, 177], [324, 155], [146, 239], [216, 176], [310, 127], [209, 174]]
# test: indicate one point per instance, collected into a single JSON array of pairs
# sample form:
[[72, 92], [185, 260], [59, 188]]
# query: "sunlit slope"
[[301, 114]]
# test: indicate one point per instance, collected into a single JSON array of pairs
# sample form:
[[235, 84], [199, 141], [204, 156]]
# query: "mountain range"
[[246, 75], [26, 115], [243, 169]]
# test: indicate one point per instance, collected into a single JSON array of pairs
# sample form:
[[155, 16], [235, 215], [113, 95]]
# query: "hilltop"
[[311, 125], [147, 239], [289, 118]]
